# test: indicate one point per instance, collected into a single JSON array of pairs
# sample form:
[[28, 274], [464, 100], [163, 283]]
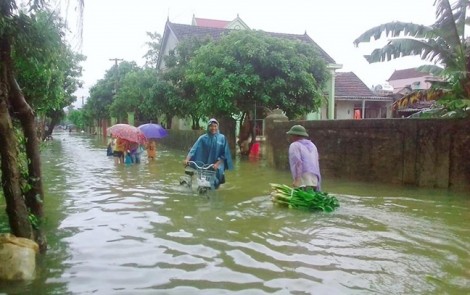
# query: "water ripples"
[[134, 230]]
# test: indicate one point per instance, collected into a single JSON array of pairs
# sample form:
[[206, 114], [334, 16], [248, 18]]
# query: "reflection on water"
[[134, 230]]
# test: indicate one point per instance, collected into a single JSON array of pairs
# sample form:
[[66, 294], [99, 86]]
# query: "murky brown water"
[[134, 230]]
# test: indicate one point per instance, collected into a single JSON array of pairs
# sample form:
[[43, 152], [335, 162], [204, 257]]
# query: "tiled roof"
[[348, 86], [182, 31], [186, 31], [407, 74], [347, 83], [211, 23], [305, 38]]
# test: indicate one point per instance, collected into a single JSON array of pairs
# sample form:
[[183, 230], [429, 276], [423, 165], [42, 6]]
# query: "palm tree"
[[442, 43], [24, 194]]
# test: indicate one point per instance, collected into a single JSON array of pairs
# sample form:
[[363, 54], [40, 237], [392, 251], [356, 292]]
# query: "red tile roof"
[[211, 23]]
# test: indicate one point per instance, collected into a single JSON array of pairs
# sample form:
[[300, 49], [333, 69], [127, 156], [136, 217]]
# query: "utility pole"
[[116, 60], [104, 121]]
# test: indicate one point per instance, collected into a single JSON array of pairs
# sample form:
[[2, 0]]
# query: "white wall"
[[171, 44], [399, 84], [344, 110]]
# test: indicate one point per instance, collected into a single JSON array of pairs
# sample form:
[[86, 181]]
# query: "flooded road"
[[135, 230]]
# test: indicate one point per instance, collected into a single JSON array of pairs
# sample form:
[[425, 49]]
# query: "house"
[[354, 100], [236, 24], [413, 92], [411, 78], [174, 33]]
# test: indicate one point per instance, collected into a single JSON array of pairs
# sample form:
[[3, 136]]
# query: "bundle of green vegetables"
[[299, 198]]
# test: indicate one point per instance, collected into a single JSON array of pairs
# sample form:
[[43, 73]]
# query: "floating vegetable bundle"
[[302, 199]]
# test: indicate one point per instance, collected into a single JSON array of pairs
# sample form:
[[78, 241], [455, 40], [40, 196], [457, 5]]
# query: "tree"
[[177, 93], [134, 88], [151, 56], [47, 68], [151, 94], [247, 68], [121, 102], [24, 194], [100, 99], [103, 94], [443, 42], [77, 117]]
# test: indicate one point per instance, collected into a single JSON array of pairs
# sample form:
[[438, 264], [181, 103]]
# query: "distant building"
[[354, 100], [383, 89], [236, 24], [410, 88], [410, 78]]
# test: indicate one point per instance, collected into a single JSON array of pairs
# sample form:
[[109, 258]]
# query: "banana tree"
[[443, 43]]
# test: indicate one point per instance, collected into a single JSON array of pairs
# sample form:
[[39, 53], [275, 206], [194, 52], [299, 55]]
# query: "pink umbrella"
[[127, 132]]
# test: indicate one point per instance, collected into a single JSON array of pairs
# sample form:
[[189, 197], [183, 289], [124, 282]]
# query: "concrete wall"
[[181, 139], [184, 139], [428, 153]]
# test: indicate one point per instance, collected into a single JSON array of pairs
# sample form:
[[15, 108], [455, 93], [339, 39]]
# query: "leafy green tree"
[[100, 99], [104, 92], [78, 118], [86, 116], [166, 101], [126, 98], [248, 68], [178, 96], [443, 42], [47, 68], [153, 96], [68, 79], [23, 192], [136, 88], [151, 56], [149, 110], [146, 84]]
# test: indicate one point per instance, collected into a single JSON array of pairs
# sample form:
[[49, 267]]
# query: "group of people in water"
[[128, 152], [212, 148]]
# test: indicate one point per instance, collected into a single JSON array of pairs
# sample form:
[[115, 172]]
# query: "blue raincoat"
[[209, 148]]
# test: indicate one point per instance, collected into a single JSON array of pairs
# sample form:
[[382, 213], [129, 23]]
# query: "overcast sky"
[[117, 28]]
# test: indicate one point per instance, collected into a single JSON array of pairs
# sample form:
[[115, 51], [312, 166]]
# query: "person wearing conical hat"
[[303, 159]]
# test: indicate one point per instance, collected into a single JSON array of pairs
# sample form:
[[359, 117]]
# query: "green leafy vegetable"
[[299, 198]]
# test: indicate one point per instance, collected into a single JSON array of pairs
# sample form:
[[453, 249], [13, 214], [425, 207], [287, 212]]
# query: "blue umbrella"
[[152, 130]]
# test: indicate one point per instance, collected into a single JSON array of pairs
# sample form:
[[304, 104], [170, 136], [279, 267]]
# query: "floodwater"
[[135, 230]]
